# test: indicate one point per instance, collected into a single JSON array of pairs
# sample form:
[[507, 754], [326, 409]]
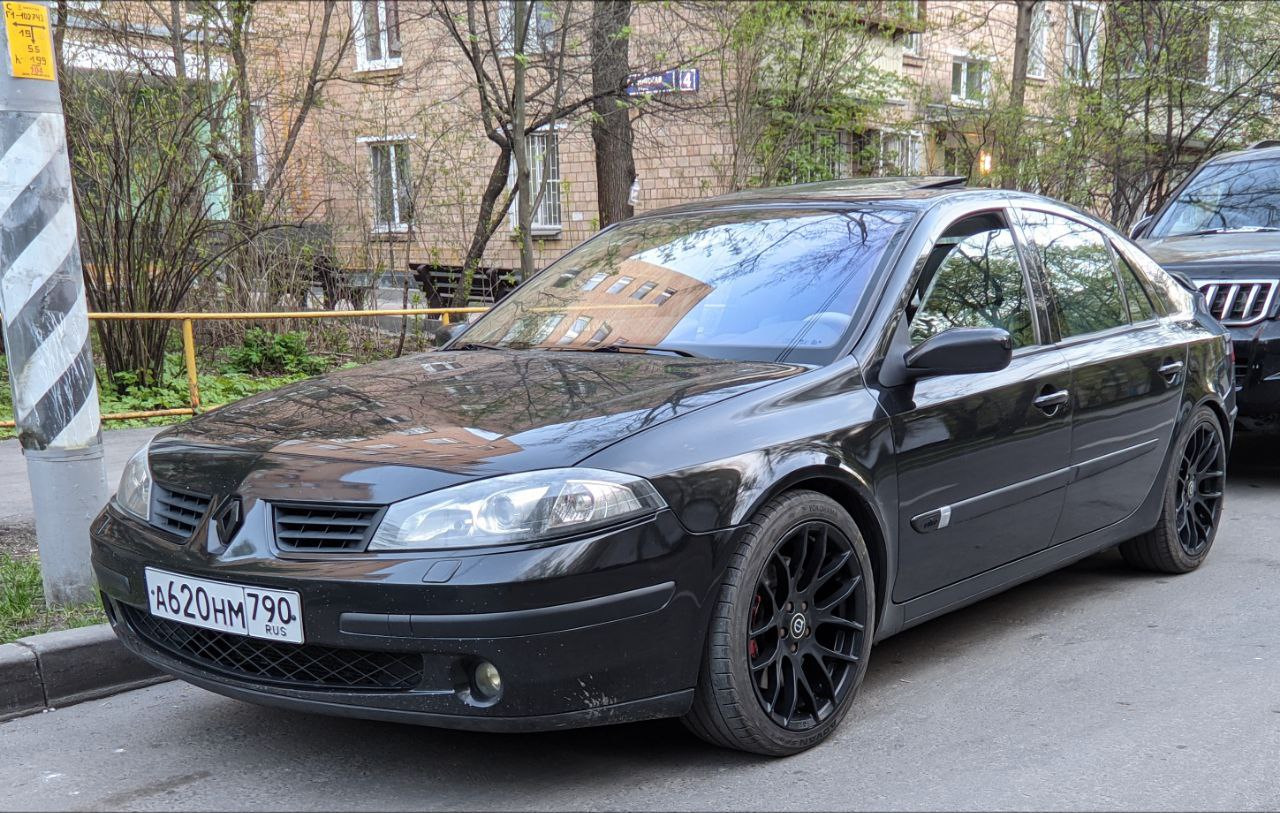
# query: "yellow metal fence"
[[188, 321]]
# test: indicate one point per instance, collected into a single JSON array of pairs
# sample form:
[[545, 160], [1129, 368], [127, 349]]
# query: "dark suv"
[[1221, 230]]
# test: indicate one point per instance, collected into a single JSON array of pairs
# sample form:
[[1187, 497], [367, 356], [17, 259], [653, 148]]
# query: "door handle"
[[1170, 370], [1050, 400]]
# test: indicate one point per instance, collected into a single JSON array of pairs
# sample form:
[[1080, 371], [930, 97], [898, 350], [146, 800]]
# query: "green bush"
[[263, 352]]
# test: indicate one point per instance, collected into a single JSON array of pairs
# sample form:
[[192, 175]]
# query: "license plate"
[[258, 612]]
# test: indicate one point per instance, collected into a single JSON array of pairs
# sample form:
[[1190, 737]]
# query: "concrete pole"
[[46, 326]]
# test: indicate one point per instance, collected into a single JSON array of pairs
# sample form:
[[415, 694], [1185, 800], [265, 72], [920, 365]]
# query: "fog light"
[[488, 681]]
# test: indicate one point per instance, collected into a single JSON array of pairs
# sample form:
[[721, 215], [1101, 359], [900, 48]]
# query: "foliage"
[[264, 352], [805, 71], [22, 610]]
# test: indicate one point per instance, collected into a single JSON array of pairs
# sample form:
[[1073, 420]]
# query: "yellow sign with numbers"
[[30, 43]]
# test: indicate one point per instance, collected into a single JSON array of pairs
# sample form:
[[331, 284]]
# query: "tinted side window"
[[1140, 306], [1078, 265], [978, 282]]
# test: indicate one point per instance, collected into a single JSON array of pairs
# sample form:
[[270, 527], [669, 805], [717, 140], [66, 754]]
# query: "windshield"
[[1240, 195], [760, 285]]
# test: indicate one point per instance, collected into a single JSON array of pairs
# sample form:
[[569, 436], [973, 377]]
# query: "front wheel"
[[1192, 507], [791, 630]]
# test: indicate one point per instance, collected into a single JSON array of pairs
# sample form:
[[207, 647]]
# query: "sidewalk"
[[15, 493]]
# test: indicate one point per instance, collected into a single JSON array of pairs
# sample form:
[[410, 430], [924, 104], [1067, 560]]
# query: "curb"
[[69, 666]]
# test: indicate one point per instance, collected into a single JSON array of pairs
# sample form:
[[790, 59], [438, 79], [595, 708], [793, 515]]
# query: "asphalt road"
[[1096, 687]]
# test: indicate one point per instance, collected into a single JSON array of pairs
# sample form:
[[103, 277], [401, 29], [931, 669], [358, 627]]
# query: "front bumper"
[[1257, 374], [597, 630]]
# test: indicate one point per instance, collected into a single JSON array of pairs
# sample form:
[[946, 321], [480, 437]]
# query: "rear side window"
[[1078, 264], [1140, 306]]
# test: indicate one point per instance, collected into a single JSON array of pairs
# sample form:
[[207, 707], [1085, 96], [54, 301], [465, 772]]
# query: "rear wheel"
[[791, 630], [1193, 497]]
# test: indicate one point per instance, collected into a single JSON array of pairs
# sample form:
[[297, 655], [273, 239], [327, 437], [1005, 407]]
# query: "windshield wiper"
[[477, 346], [1229, 230], [618, 347]]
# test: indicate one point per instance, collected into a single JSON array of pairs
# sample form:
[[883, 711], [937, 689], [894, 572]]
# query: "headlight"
[[515, 508], [134, 493]]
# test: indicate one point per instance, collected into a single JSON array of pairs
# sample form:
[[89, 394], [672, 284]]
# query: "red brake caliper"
[[752, 649]]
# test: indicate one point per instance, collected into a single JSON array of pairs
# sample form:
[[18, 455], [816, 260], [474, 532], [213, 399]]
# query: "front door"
[[1126, 372], [982, 458]]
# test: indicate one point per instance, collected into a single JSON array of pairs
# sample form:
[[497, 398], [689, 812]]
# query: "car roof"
[[917, 192], [1264, 150]]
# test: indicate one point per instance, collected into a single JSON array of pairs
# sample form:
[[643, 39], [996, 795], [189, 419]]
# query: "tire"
[[1192, 504], [816, 664]]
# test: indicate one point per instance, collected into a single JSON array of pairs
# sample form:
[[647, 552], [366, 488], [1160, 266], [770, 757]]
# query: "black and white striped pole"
[[42, 303]]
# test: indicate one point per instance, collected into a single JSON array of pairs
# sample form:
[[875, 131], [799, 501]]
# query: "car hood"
[[1216, 255], [474, 413]]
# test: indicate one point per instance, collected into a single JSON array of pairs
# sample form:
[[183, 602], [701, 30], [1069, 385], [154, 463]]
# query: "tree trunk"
[[519, 143], [1012, 148], [485, 226], [611, 124]]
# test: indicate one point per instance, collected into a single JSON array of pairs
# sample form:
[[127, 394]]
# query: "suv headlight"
[[134, 493], [515, 508]]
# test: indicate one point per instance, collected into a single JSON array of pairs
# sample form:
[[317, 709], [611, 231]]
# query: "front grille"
[[1239, 302], [323, 527], [176, 511], [300, 665]]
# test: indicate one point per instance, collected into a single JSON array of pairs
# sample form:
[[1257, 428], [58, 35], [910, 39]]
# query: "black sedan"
[[695, 468]]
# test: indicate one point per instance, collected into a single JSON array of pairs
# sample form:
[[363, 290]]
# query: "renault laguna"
[[695, 468]]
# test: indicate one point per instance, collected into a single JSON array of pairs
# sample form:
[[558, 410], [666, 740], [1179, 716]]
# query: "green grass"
[[219, 387], [22, 610]]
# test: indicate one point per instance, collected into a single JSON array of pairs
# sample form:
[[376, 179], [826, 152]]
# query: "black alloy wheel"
[[1201, 477], [1193, 498], [806, 624], [790, 632]]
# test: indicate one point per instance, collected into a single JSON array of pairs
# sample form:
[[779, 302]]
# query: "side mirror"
[[960, 350], [447, 333], [1136, 230]]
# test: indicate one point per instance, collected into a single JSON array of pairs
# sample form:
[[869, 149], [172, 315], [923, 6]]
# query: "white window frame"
[[1038, 46], [537, 40], [262, 161], [984, 90], [1214, 59], [1079, 57], [548, 213], [400, 225], [363, 62]]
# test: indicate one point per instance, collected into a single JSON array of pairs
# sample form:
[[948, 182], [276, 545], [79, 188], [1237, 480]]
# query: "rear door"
[[1126, 371], [982, 458]]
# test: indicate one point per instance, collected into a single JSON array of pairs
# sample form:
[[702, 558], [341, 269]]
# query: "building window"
[[968, 80], [601, 333], [376, 26], [575, 329], [617, 287], [594, 281], [1037, 63], [392, 188], [663, 297], [914, 16], [261, 160], [542, 27], [644, 290], [1082, 42], [1223, 62], [886, 154], [544, 174]]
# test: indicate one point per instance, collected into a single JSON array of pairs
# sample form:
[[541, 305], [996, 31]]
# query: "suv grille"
[[177, 512], [302, 665], [323, 527], [1239, 302]]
